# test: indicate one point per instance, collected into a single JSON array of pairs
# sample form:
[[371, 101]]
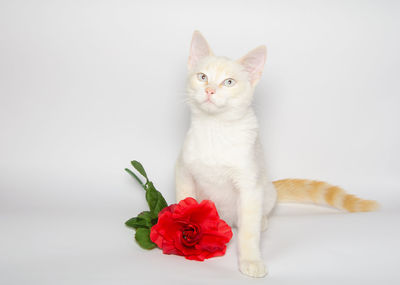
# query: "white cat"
[[222, 159]]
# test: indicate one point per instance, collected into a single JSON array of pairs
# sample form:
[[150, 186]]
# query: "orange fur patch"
[[316, 191], [332, 194], [349, 203], [303, 190], [368, 205]]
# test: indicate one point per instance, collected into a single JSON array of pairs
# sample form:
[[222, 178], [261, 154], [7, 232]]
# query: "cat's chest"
[[217, 147]]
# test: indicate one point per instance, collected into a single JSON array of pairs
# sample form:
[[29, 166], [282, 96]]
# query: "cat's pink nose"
[[210, 91]]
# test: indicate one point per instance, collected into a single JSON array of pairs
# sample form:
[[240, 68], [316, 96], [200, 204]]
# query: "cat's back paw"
[[253, 268]]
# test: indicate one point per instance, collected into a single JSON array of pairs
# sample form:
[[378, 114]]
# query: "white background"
[[87, 86]]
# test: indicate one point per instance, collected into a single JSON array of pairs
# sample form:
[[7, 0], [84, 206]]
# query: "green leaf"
[[135, 176], [136, 223], [143, 220], [146, 215], [142, 237], [155, 200], [139, 167]]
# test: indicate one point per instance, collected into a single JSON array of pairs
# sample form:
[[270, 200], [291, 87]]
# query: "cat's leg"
[[270, 197], [264, 223], [184, 183], [250, 212]]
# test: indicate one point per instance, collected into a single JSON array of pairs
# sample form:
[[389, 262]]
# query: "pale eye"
[[202, 77], [229, 82]]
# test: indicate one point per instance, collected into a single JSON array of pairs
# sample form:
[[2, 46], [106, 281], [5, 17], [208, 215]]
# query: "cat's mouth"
[[209, 101], [208, 105]]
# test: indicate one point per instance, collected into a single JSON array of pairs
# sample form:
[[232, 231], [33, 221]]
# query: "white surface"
[[85, 87], [305, 245]]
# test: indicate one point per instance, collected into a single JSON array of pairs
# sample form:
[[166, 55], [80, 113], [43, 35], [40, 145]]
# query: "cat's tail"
[[322, 193]]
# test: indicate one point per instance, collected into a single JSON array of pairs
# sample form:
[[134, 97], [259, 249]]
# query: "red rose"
[[191, 229]]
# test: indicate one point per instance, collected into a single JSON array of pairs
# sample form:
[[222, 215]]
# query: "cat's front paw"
[[253, 268]]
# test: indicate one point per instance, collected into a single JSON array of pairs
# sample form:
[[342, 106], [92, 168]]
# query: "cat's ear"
[[253, 63], [199, 49]]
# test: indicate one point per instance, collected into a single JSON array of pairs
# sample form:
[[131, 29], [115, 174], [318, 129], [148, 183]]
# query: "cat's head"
[[218, 85]]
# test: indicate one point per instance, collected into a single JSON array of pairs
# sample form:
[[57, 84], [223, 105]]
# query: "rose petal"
[[198, 257], [205, 211], [216, 241], [204, 214], [185, 249], [170, 248], [170, 209], [184, 208], [166, 225]]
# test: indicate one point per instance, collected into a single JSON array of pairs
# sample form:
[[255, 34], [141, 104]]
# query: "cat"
[[222, 158]]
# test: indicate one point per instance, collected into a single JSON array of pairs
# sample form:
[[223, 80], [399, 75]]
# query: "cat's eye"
[[229, 82], [202, 77]]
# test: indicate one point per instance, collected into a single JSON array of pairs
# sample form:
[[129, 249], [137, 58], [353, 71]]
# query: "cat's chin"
[[209, 107]]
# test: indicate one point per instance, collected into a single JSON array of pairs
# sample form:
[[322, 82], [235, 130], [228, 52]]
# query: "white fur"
[[221, 159]]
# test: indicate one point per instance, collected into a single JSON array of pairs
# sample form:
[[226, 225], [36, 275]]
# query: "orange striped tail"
[[322, 193]]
